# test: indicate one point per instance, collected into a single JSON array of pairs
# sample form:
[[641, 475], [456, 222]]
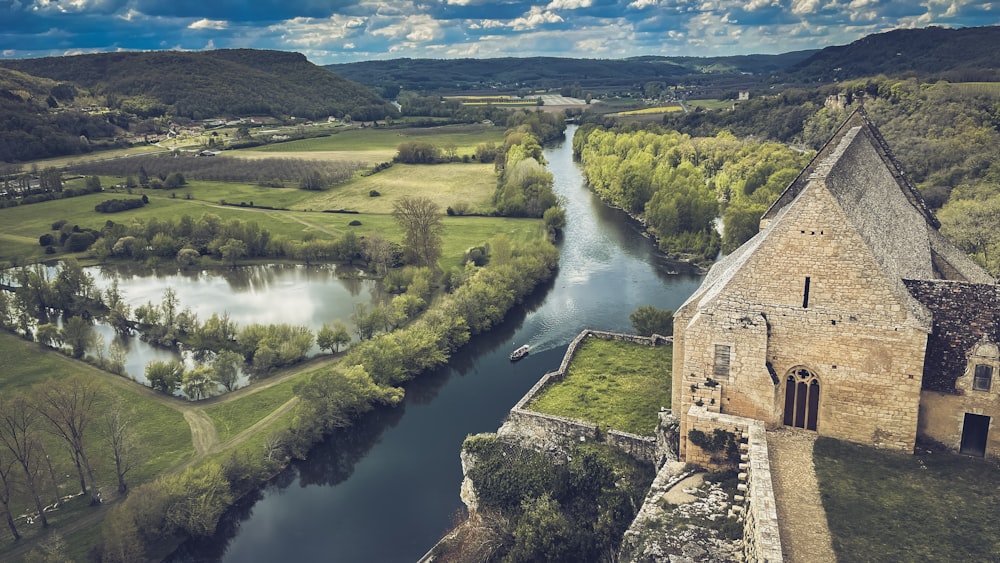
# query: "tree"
[[117, 355], [48, 335], [341, 337], [121, 438], [233, 250], [18, 434], [197, 382], [6, 481], [648, 320], [78, 333], [164, 377], [974, 226], [93, 184], [68, 405], [420, 219], [225, 368]]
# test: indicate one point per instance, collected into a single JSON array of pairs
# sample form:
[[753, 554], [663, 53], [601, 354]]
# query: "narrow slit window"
[[805, 294], [721, 370], [983, 378]]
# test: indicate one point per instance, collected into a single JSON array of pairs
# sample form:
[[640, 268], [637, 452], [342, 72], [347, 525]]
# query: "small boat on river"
[[519, 353]]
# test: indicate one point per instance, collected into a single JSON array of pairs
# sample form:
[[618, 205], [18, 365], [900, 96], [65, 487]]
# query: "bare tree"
[[6, 480], [68, 405], [17, 434], [122, 438], [420, 218], [379, 251]]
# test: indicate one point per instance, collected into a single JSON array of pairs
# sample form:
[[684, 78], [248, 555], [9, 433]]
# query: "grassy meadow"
[[890, 506], [670, 108], [471, 184], [616, 385]]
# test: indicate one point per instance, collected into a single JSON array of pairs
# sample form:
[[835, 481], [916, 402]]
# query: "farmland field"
[[655, 110]]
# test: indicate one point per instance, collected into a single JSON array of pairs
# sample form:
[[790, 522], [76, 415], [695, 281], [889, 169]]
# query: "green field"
[[710, 104], [615, 385], [464, 137], [655, 110], [889, 506], [233, 417]]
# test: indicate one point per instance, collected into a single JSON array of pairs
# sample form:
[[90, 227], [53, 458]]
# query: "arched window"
[[801, 399]]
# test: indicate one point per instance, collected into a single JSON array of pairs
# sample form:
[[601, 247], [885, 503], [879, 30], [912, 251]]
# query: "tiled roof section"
[[859, 118], [964, 314]]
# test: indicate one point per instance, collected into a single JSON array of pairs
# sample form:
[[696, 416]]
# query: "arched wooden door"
[[802, 399]]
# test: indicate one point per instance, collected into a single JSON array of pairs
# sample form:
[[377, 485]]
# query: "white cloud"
[[487, 24], [209, 24], [420, 29], [641, 4], [348, 45], [210, 45], [803, 7], [9, 52], [313, 32], [753, 5], [534, 18], [568, 4]]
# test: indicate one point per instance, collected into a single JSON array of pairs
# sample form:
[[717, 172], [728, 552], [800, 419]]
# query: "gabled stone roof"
[[858, 118], [858, 169]]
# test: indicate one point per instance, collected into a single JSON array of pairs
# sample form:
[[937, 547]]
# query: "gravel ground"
[[805, 535]]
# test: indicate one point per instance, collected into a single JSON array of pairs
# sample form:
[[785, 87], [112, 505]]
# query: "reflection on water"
[[388, 492], [266, 293]]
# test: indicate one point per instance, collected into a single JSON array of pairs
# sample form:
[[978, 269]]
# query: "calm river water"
[[386, 489]]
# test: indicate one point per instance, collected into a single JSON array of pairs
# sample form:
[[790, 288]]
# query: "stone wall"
[[760, 516], [545, 432], [860, 333]]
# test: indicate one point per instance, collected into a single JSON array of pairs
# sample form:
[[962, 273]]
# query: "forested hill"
[[551, 72], [958, 55], [205, 84]]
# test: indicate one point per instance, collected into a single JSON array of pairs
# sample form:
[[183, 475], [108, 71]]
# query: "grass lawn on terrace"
[[616, 385], [888, 506]]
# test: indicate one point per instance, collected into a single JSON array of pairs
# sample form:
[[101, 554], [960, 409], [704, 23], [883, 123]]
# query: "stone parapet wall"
[[639, 447], [761, 541], [546, 432]]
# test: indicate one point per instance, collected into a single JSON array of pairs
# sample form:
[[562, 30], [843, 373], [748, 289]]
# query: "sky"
[[340, 31]]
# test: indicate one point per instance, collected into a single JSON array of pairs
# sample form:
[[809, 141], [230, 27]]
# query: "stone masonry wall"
[[860, 334], [546, 432], [761, 542]]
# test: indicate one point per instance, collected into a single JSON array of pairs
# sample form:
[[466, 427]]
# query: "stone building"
[[848, 314]]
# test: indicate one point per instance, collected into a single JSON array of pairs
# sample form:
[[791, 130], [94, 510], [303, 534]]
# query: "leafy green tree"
[[974, 226], [225, 368], [48, 335], [334, 399], [197, 383], [543, 533], [93, 184], [232, 251], [78, 334], [165, 377], [648, 320]]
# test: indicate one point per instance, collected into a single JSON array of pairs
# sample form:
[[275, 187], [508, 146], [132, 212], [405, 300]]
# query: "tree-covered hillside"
[[551, 72], [965, 54], [207, 84]]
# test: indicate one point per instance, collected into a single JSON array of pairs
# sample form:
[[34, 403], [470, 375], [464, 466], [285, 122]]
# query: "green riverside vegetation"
[[614, 384]]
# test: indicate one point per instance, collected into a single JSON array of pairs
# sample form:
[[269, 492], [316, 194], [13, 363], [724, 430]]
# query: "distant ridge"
[[234, 82], [547, 72], [960, 55]]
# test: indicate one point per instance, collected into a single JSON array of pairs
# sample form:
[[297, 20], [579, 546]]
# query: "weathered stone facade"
[[816, 322]]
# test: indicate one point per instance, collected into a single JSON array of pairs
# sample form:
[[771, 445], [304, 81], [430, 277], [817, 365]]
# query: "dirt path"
[[203, 435], [805, 535]]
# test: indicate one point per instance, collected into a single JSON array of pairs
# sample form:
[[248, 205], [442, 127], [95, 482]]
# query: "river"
[[388, 488]]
